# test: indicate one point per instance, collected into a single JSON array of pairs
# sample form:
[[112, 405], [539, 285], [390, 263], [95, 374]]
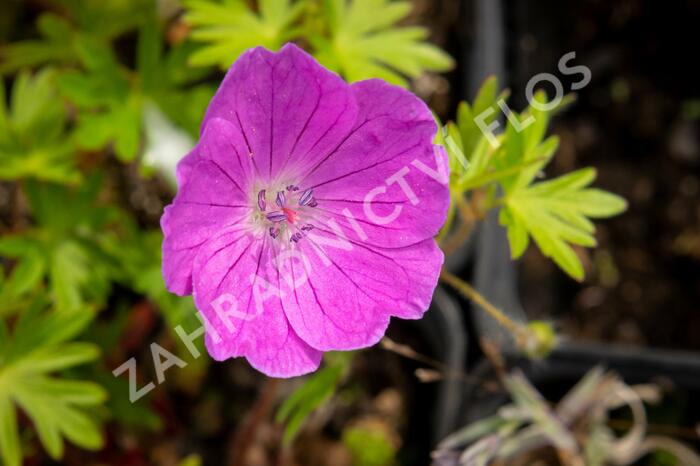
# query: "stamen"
[[307, 227], [274, 232], [307, 198], [276, 216], [292, 188], [281, 199], [261, 200], [295, 237]]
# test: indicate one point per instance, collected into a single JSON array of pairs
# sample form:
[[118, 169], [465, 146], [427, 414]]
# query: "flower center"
[[282, 212]]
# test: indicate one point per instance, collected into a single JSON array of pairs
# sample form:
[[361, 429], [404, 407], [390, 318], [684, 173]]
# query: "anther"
[[307, 198], [281, 199], [276, 216], [261, 200]]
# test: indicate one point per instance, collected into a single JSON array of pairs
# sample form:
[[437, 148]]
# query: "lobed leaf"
[[230, 28]]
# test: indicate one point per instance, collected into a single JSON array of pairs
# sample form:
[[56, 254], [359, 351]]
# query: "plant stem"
[[467, 218], [520, 334]]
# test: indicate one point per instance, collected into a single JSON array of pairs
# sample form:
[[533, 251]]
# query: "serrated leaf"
[[555, 213], [230, 28], [34, 138], [364, 42], [55, 406], [56, 45]]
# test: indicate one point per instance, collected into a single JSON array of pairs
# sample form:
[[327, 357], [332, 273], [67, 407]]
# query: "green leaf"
[[56, 45], [67, 246], [110, 106], [46, 359], [230, 28], [555, 213], [112, 100], [317, 390], [149, 53], [9, 438], [106, 19], [57, 407], [77, 392], [34, 141], [470, 150], [364, 42], [27, 273]]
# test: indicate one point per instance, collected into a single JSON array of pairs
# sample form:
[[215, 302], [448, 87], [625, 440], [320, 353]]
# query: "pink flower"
[[306, 214]]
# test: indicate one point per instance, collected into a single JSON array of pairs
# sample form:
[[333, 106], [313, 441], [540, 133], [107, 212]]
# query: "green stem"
[[519, 333]]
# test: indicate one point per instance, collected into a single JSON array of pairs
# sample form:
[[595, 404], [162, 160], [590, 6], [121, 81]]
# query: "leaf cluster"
[[507, 167], [359, 39], [31, 353]]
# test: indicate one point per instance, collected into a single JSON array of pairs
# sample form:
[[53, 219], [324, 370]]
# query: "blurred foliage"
[[39, 345], [359, 39], [230, 28], [34, 138], [65, 246], [363, 42], [369, 446], [316, 391], [577, 427]]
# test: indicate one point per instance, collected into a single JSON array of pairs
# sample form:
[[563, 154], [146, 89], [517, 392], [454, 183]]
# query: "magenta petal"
[[235, 286], [209, 202], [184, 166], [291, 109], [346, 291], [177, 264], [225, 146], [389, 153]]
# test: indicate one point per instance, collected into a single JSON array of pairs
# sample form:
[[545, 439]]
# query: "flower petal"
[[236, 289], [387, 175], [213, 197], [184, 166], [344, 291], [291, 110]]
